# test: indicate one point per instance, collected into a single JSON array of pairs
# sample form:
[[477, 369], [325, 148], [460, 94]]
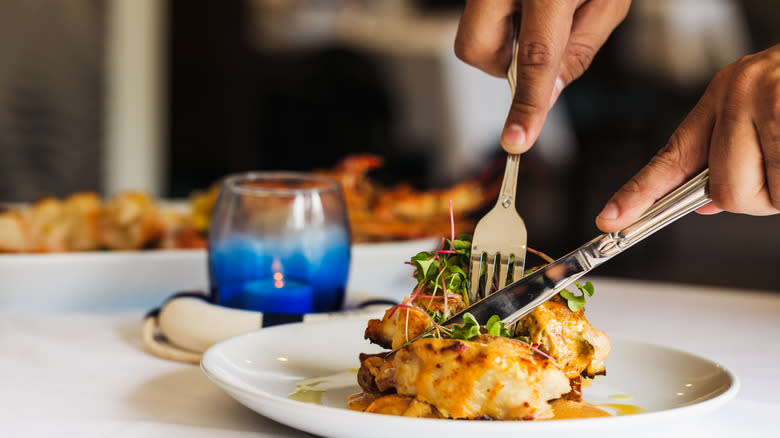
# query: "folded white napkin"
[[188, 324]]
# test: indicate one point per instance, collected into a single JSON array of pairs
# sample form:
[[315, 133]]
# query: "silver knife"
[[521, 297]]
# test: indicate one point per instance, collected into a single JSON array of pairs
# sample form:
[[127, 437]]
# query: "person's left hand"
[[735, 129], [557, 40]]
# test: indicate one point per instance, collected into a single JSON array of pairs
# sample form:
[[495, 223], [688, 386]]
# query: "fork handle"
[[506, 197], [683, 200]]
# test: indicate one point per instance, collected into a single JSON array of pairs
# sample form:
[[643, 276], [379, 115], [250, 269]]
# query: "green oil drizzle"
[[312, 390], [306, 395]]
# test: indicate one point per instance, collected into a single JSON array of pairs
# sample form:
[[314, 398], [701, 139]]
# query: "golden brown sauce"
[[622, 409], [568, 409], [562, 409], [360, 401], [312, 391]]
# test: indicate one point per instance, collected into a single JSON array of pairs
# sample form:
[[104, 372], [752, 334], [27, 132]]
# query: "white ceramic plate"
[[261, 369]]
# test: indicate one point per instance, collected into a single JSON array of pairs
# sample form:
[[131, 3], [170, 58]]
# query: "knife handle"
[[683, 200]]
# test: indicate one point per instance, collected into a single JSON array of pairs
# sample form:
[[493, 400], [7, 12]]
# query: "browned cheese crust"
[[400, 324], [489, 376], [567, 336]]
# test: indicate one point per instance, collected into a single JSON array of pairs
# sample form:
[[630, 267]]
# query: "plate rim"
[[563, 424]]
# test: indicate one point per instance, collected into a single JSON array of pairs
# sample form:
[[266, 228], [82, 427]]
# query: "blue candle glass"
[[279, 243]]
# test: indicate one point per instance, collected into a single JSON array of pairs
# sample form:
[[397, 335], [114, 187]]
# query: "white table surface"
[[86, 374]]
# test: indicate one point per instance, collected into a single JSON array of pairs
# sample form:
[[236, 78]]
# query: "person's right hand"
[[735, 130], [557, 41]]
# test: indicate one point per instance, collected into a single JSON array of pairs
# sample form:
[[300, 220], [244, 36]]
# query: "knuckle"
[[523, 106], [633, 186], [463, 50], [467, 52], [722, 76], [672, 157], [771, 97], [535, 53], [665, 162], [478, 56], [748, 72], [581, 56]]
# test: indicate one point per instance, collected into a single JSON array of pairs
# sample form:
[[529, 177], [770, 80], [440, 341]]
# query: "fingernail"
[[514, 136], [610, 212], [557, 89]]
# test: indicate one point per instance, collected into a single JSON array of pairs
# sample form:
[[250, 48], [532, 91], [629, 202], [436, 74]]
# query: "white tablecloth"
[[86, 374]]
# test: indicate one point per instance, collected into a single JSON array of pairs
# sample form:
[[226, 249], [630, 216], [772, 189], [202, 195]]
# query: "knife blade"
[[521, 297]]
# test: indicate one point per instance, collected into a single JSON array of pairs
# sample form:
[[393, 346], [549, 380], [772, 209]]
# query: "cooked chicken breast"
[[489, 376], [404, 406], [568, 337], [400, 324]]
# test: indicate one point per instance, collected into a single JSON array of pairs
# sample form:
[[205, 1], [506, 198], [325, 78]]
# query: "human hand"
[[735, 129], [557, 41]]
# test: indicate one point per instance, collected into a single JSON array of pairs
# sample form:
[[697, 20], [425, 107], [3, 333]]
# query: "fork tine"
[[503, 270], [490, 273], [519, 271], [474, 277]]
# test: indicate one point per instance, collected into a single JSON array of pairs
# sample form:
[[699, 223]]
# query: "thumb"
[[541, 42], [684, 155]]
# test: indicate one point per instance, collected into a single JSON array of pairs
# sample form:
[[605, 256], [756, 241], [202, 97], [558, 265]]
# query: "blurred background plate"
[[97, 281], [378, 271], [142, 280]]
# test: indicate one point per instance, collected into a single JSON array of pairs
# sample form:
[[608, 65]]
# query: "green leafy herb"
[[438, 271], [424, 262], [495, 327], [468, 330], [444, 272], [577, 302], [588, 288], [471, 328]]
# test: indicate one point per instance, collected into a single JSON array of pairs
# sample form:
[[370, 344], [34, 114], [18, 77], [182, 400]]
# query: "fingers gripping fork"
[[501, 234]]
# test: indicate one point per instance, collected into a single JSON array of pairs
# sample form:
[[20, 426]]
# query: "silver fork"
[[500, 234]]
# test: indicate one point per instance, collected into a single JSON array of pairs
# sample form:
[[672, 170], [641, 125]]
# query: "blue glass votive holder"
[[279, 243]]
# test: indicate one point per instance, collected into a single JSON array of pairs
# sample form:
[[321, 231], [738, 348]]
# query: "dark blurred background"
[[170, 96]]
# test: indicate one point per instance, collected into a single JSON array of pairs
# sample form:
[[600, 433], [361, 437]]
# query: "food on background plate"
[[399, 212], [383, 213], [131, 220], [532, 370]]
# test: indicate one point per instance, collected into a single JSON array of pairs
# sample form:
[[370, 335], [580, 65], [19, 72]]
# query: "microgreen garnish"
[[495, 327], [442, 274], [468, 330], [444, 270], [577, 302], [574, 302], [452, 226]]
